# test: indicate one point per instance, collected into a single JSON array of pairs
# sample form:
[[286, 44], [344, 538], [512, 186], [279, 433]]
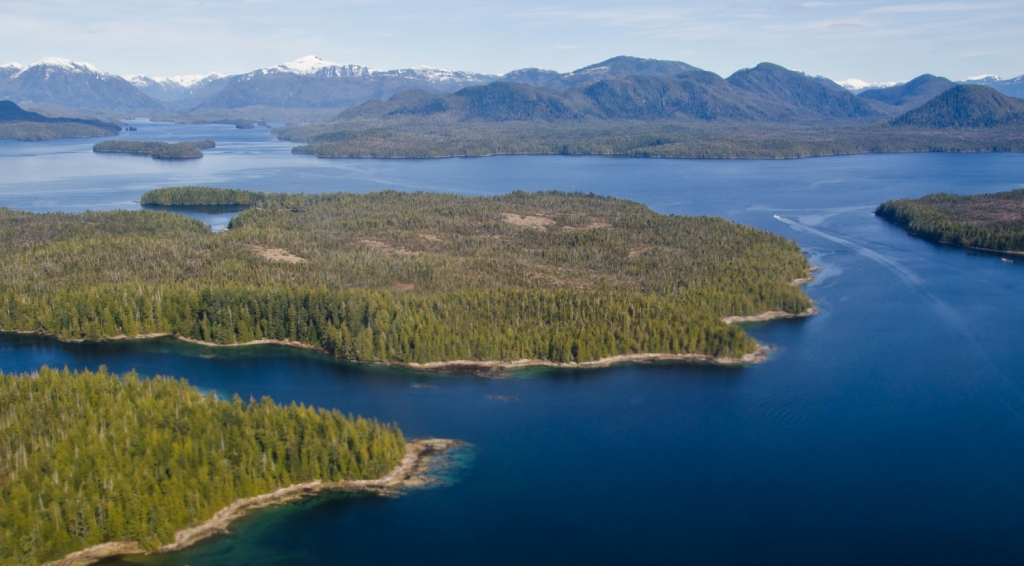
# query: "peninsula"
[[156, 150], [434, 281], [135, 465], [993, 222]]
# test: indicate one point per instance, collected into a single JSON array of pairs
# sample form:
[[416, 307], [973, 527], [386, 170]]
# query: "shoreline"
[[946, 243], [770, 315], [408, 473], [488, 368], [628, 156]]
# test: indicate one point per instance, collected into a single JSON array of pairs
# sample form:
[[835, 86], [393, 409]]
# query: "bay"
[[887, 429]]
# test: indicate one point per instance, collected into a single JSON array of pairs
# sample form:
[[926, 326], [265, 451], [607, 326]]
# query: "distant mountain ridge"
[[765, 93], [910, 94], [62, 82], [169, 89], [618, 88], [1011, 87], [18, 123]]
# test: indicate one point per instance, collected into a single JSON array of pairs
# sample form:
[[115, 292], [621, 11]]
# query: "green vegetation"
[[427, 137], [205, 196], [87, 458], [765, 112], [401, 277], [990, 221], [157, 150], [966, 106]]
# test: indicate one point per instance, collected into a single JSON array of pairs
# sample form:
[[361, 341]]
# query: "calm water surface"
[[889, 429]]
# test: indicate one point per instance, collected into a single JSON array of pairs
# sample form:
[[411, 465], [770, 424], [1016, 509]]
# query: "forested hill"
[[402, 277], [910, 94], [87, 458], [966, 106], [989, 221], [20, 124]]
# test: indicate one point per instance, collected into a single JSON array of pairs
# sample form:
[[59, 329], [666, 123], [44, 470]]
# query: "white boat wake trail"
[[904, 273], [947, 313]]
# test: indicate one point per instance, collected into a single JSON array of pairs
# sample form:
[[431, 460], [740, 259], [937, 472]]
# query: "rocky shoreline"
[[411, 472], [770, 315]]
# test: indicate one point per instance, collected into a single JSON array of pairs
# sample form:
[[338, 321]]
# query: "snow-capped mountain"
[[1013, 87], [982, 79], [11, 69], [857, 85], [72, 84], [531, 76], [313, 66], [169, 89], [311, 82]]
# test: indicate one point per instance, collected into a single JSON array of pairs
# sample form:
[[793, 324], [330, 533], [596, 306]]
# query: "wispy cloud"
[[931, 7]]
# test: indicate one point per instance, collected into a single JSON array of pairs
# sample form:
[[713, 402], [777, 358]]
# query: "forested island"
[[989, 221], [22, 125], [156, 150], [89, 457], [408, 278]]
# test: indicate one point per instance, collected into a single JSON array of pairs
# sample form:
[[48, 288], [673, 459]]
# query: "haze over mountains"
[[312, 83]]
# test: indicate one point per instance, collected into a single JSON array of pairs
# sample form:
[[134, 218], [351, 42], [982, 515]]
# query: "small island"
[[993, 222], [435, 282], [156, 150], [121, 465]]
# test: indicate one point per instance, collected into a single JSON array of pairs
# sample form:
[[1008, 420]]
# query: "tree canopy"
[[86, 457], [989, 221], [401, 277]]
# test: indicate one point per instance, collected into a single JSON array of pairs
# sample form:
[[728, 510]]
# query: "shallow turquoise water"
[[885, 430]]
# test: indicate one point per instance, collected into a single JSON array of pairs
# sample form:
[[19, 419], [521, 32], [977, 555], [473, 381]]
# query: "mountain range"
[[312, 83], [766, 93]]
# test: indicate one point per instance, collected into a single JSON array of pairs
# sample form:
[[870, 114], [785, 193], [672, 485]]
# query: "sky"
[[867, 39]]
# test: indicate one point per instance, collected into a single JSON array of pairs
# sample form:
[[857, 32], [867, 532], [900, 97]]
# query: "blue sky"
[[871, 40]]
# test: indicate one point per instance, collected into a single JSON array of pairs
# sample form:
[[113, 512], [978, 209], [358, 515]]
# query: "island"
[[22, 125], [993, 222], [121, 465], [430, 281], [156, 150]]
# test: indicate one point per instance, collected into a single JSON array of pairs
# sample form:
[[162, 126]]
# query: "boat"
[[1006, 260]]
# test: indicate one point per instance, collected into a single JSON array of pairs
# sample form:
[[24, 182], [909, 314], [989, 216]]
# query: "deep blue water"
[[888, 429]]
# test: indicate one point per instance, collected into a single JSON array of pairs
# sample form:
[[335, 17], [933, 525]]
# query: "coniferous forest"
[[989, 221], [156, 150], [90, 457], [401, 277]]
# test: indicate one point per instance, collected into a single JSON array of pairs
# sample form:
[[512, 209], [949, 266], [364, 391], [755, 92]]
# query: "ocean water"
[[888, 429]]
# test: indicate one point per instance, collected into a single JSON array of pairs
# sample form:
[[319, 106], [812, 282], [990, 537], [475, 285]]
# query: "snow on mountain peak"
[[306, 65], [313, 65], [434, 74], [981, 78], [14, 66], [183, 81], [68, 65], [857, 85]]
